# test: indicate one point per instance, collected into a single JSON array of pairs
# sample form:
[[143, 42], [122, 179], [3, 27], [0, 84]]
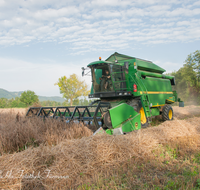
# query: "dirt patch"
[[186, 112]]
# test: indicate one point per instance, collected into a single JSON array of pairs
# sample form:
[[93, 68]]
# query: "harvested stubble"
[[18, 132], [21, 111], [75, 162]]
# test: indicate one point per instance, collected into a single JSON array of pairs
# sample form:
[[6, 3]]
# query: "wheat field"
[[50, 154]]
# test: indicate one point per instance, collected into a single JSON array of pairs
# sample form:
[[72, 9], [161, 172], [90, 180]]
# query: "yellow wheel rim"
[[143, 118], [170, 114]]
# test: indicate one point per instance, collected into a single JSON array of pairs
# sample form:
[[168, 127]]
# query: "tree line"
[[29, 98], [188, 79], [16, 103]]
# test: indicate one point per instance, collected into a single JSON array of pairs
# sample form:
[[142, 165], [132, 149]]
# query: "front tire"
[[107, 120], [137, 105], [167, 113], [143, 119]]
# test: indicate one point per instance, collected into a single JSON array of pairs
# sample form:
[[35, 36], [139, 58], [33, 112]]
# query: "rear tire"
[[167, 113]]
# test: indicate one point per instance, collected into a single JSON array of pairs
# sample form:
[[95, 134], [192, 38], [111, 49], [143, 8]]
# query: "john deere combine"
[[130, 92]]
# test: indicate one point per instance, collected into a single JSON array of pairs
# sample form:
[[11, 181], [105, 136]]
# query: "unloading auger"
[[130, 93]]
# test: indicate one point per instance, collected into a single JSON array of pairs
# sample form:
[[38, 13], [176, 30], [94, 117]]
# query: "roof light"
[[99, 58]]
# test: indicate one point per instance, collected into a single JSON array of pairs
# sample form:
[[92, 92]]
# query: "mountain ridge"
[[9, 95]]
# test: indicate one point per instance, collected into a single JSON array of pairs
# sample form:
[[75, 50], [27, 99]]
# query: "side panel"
[[159, 90], [125, 118], [157, 84], [155, 111], [121, 113]]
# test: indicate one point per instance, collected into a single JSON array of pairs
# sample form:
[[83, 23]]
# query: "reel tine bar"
[[71, 113]]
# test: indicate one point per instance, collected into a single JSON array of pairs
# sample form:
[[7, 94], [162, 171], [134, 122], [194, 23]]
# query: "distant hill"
[[52, 98], [10, 95]]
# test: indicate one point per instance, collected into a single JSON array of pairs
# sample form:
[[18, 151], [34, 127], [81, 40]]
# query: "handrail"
[[143, 86], [139, 82]]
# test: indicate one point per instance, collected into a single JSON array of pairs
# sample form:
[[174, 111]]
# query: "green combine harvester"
[[129, 93]]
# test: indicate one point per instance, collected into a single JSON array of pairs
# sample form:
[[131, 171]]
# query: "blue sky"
[[42, 40]]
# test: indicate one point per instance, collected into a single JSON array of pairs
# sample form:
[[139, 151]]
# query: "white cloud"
[[86, 25], [48, 14], [197, 3], [110, 3]]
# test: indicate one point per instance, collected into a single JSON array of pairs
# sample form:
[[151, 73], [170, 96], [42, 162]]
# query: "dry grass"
[[21, 111], [146, 159], [17, 132]]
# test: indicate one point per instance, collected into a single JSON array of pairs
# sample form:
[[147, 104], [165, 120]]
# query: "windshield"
[[108, 78]]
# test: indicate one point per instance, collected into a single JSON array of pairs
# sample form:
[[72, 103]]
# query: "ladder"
[[146, 106], [145, 100]]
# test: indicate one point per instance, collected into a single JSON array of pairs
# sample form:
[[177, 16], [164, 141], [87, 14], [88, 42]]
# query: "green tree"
[[29, 97], [3, 102], [50, 103], [76, 102], [193, 61], [72, 87], [187, 78]]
